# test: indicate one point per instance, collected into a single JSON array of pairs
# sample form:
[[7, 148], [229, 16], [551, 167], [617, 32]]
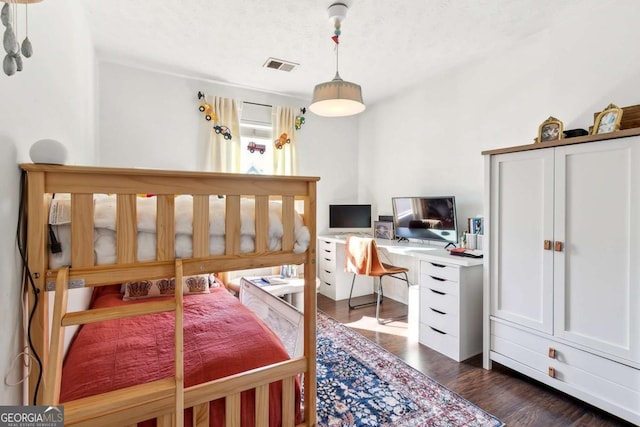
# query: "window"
[[257, 152], [256, 148]]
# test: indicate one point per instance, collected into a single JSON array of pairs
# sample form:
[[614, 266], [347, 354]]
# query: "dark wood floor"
[[514, 398]]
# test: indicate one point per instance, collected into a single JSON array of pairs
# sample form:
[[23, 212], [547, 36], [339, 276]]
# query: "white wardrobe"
[[562, 269]]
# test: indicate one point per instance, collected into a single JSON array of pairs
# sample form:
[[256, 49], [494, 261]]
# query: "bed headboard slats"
[[82, 230], [232, 409], [262, 224], [288, 215], [201, 414], [165, 228], [232, 225], [200, 225], [262, 406], [126, 229], [288, 388]]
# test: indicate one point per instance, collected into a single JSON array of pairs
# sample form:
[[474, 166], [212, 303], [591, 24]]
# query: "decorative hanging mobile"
[[253, 147], [13, 59], [27, 49], [209, 114], [336, 32], [225, 131], [300, 118], [283, 139], [205, 108]]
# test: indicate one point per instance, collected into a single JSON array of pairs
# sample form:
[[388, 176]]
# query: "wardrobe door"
[[521, 269], [596, 271]]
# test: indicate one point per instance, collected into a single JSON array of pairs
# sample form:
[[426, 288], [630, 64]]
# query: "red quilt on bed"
[[221, 338]]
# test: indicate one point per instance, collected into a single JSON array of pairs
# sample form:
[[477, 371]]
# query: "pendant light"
[[337, 97]]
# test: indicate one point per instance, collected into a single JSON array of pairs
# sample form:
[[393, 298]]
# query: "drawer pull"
[[327, 259], [552, 352], [437, 311], [437, 330], [327, 250], [327, 271], [437, 265], [437, 292], [438, 278], [552, 372]]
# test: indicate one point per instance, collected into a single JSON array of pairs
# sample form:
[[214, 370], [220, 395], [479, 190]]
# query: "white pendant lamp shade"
[[338, 97]]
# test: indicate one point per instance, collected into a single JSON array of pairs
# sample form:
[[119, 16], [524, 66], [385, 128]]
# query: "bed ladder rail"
[[61, 319]]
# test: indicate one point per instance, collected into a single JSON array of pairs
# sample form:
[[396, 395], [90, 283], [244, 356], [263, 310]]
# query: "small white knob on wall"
[[48, 151]]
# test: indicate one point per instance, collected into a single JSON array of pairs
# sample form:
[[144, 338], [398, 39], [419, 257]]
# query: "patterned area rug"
[[361, 384]]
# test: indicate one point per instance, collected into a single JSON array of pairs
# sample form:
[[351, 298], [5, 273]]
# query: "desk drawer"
[[326, 247], [440, 341], [327, 275], [443, 302], [442, 285], [444, 322], [441, 271], [326, 263]]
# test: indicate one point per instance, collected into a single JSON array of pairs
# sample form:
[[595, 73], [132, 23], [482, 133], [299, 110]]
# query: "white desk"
[[411, 249], [292, 290], [450, 290]]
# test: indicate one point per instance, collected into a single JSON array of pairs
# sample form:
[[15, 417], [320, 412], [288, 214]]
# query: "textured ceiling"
[[386, 45]]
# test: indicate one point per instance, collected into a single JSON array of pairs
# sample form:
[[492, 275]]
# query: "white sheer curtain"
[[285, 161], [225, 153]]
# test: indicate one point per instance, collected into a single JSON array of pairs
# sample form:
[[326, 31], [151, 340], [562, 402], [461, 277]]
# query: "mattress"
[[105, 228]]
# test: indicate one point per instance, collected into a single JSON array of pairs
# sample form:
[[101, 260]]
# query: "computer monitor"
[[425, 218], [350, 218]]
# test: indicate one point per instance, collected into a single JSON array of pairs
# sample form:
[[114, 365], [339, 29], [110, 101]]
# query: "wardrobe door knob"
[[557, 246]]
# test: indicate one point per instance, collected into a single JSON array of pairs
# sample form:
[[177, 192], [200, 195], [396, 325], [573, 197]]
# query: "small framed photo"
[[608, 120], [383, 230], [477, 225], [550, 130]]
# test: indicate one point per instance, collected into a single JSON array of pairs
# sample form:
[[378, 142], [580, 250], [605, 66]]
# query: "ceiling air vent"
[[279, 64]]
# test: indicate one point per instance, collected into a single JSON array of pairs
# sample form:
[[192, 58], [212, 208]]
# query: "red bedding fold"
[[221, 338]]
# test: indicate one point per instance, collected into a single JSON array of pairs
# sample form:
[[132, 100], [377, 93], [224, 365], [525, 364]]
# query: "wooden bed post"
[[310, 308], [37, 264], [52, 380], [179, 346]]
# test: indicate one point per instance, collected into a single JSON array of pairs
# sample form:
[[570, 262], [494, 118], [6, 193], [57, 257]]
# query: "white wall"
[[428, 140], [53, 97], [151, 119]]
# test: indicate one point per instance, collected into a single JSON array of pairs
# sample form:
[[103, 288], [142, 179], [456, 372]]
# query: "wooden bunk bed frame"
[[163, 400]]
